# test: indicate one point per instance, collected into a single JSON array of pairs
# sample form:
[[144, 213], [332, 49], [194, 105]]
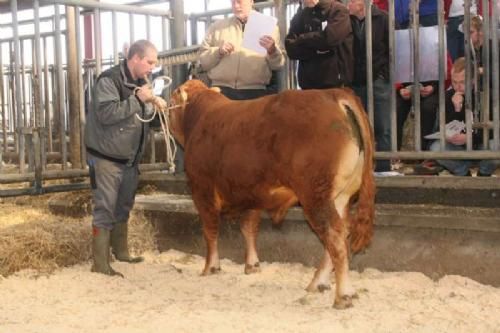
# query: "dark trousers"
[[381, 117], [113, 191], [243, 94]]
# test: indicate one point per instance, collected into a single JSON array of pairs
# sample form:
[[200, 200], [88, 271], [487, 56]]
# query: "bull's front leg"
[[249, 226], [210, 218]]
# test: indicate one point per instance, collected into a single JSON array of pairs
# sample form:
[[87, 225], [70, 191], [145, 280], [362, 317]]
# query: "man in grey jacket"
[[115, 139]]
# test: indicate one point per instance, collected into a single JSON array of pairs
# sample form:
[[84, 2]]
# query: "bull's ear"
[[216, 89]]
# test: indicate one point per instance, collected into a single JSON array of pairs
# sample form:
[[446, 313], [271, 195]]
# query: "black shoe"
[[427, 168], [480, 174]]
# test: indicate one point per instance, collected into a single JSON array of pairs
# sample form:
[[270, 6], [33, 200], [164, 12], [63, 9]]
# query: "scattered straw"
[[33, 238]]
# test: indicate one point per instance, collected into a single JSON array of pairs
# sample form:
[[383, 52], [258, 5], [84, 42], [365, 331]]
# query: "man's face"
[[142, 67], [476, 37], [310, 3], [458, 81], [242, 8], [356, 7]]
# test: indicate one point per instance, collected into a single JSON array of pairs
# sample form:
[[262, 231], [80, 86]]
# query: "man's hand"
[[457, 139], [144, 93], [268, 43], [405, 93], [426, 90], [226, 48], [458, 101], [159, 103]]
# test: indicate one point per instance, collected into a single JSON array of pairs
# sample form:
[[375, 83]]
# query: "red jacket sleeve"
[[447, 4], [382, 4]]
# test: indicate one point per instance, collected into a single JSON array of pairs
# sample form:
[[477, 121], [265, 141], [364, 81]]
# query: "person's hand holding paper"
[[454, 133], [258, 31]]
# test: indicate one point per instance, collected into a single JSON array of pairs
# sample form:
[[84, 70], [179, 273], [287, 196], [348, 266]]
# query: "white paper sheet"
[[452, 128], [257, 25]]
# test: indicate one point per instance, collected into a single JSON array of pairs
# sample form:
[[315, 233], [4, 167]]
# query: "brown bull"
[[314, 147]]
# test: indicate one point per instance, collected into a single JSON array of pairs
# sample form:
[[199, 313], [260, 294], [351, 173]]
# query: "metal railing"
[[40, 118]]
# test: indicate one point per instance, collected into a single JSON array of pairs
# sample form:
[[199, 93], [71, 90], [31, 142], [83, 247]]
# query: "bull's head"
[[180, 99]]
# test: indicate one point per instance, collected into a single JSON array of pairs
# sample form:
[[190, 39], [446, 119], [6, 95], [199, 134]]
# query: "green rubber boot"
[[100, 251], [119, 244]]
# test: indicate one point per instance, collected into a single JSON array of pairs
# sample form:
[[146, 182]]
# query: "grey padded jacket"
[[112, 130]]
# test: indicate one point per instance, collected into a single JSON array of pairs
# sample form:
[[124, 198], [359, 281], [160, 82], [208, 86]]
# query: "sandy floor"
[[167, 294]]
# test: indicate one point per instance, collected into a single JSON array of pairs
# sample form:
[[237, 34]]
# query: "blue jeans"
[[381, 117], [461, 167]]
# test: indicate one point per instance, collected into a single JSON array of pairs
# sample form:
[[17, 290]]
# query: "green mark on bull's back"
[[337, 125]]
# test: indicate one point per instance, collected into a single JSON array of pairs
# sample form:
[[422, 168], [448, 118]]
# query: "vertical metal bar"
[[131, 28], [495, 76], [12, 96], [369, 63], [280, 9], [60, 86], [97, 40], [442, 70], [17, 83], [3, 103], [415, 33], [115, 37], [164, 33], [148, 27], [468, 74], [37, 75], [194, 31], [484, 99], [392, 76], [37, 64], [73, 91], [152, 145], [80, 81], [177, 32], [23, 85], [48, 85], [87, 27]]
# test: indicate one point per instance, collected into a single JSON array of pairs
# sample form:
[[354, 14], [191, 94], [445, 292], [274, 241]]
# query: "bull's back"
[[250, 150]]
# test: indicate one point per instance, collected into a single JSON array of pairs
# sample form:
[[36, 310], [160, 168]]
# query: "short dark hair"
[[139, 47]]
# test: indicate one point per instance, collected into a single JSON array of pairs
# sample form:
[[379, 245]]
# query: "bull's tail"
[[361, 229]]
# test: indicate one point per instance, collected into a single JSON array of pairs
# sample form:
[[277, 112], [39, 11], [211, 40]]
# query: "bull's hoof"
[[251, 269], [344, 302], [211, 271], [318, 288]]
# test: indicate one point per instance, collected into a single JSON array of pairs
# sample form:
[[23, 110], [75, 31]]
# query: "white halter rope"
[[163, 113]]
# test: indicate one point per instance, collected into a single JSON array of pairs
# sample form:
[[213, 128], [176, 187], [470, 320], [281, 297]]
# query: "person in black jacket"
[[380, 62], [320, 38], [455, 110]]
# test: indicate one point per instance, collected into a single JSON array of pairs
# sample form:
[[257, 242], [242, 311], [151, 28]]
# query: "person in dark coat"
[[320, 38], [381, 83]]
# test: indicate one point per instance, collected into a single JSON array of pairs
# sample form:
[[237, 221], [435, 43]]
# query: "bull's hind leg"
[[321, 279], [337, 245], [249, 228], [331, 225]]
